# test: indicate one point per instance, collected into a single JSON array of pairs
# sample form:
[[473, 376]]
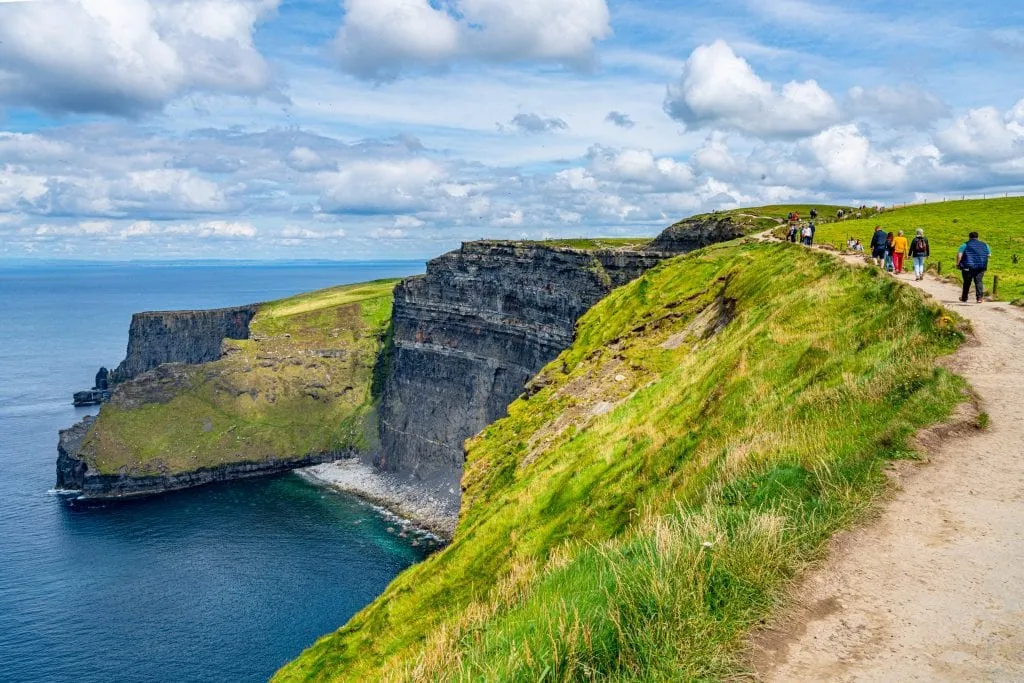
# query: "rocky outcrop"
[[696, 233], [75, 474], [155, 338], [469, 334], [465, 339]]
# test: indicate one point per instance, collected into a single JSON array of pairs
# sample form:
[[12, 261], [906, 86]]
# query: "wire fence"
[[954, 198]]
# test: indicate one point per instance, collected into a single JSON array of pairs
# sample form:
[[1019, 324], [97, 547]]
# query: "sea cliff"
[[398, 382]]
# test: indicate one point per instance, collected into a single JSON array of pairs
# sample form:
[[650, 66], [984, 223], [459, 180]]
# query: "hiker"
[[839, 214], [814, 214], [806, 235], [919, 251], [900, 249], [878, 246], [791, 235], [889, 239], [858, 247], [814, 228], [972, 259], [850, 241]]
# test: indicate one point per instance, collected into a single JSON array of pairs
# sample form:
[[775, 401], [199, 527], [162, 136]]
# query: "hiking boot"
[[963, 299]]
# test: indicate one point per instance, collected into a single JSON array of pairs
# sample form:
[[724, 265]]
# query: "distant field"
[[594, 243], [946, 224]]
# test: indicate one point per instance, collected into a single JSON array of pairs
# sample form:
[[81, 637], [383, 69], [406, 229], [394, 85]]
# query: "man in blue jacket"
[[972, 260], [878, 241]]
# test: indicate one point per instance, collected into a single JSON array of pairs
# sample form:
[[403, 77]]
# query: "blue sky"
[[398, 128]]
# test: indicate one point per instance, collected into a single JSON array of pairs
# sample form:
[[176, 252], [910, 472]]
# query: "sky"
[[394, 129]]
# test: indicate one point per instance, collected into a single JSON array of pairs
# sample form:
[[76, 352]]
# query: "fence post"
[[995, 286], [938, 268]]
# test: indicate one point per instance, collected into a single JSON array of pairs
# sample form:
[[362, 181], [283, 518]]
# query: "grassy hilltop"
[[999, 221], [634, 516], [301, 384]]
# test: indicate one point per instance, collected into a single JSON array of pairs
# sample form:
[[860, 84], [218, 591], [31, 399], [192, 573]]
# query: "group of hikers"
[[805, 233], [890, 251]]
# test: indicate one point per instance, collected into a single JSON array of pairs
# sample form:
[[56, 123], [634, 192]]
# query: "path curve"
[[932, 590]]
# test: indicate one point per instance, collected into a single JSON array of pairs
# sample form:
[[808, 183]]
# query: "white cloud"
[[305, 159], [641, 167], [380, 39], [985, 133], [720, 90], [849, 161], [373, 187], [128, 56]]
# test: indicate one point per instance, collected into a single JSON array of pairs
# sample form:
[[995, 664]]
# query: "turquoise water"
[[220, 583]]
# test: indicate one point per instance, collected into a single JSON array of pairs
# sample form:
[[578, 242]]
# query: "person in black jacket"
[[919, 251], [878, 243]]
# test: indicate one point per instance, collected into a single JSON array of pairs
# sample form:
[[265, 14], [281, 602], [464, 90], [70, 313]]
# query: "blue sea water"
[[220, 583]]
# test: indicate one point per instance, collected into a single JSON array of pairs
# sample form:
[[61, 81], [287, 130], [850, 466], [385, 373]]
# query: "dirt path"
[[934, 588]]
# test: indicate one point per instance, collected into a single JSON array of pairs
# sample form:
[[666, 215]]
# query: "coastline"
[[412, 505]]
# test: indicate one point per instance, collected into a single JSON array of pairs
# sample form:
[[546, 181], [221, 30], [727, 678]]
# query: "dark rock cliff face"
[[695, 233], [469, 334], [466, 338], [190, 337]]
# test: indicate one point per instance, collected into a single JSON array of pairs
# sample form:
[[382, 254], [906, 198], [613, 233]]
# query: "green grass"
[[300, 385], [759, 218], [639, 513], [1000, 222], [595, 243]]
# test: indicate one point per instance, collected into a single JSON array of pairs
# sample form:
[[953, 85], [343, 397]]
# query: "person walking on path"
[[806, 234], [878, 246], [919, 251], [900, 249], [889, 239], [972, 260], [791, 235]]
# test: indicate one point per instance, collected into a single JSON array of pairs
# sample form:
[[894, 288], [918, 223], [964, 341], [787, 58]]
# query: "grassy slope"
[[641, 511], [999, 221], [760, 218], [594, 243], [286, 391]]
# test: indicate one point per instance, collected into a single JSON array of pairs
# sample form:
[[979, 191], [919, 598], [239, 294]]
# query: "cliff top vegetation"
[[299, 385], [946, 224], [644, 504]]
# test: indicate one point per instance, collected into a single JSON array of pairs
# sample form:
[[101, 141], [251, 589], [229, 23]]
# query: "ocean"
[[220, 583]]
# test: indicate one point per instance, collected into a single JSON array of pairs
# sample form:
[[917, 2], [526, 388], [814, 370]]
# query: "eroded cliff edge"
[[297, 391], [322, 376]]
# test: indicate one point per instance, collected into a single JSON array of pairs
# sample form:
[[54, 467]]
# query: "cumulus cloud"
[[129, 56], [639, 167], [379, 39], [985, 133], [381, 187], [903, 106], [846, 155], [535, 123], [619, 119], [720, 90]]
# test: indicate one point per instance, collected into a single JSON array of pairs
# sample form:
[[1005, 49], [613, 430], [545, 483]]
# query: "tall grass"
[[714, 423]]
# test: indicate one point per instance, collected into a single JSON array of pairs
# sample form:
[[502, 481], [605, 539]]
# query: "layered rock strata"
[[470, 333], [193, 337]]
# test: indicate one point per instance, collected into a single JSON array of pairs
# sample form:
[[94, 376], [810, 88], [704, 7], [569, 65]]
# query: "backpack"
[[919, 246]]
